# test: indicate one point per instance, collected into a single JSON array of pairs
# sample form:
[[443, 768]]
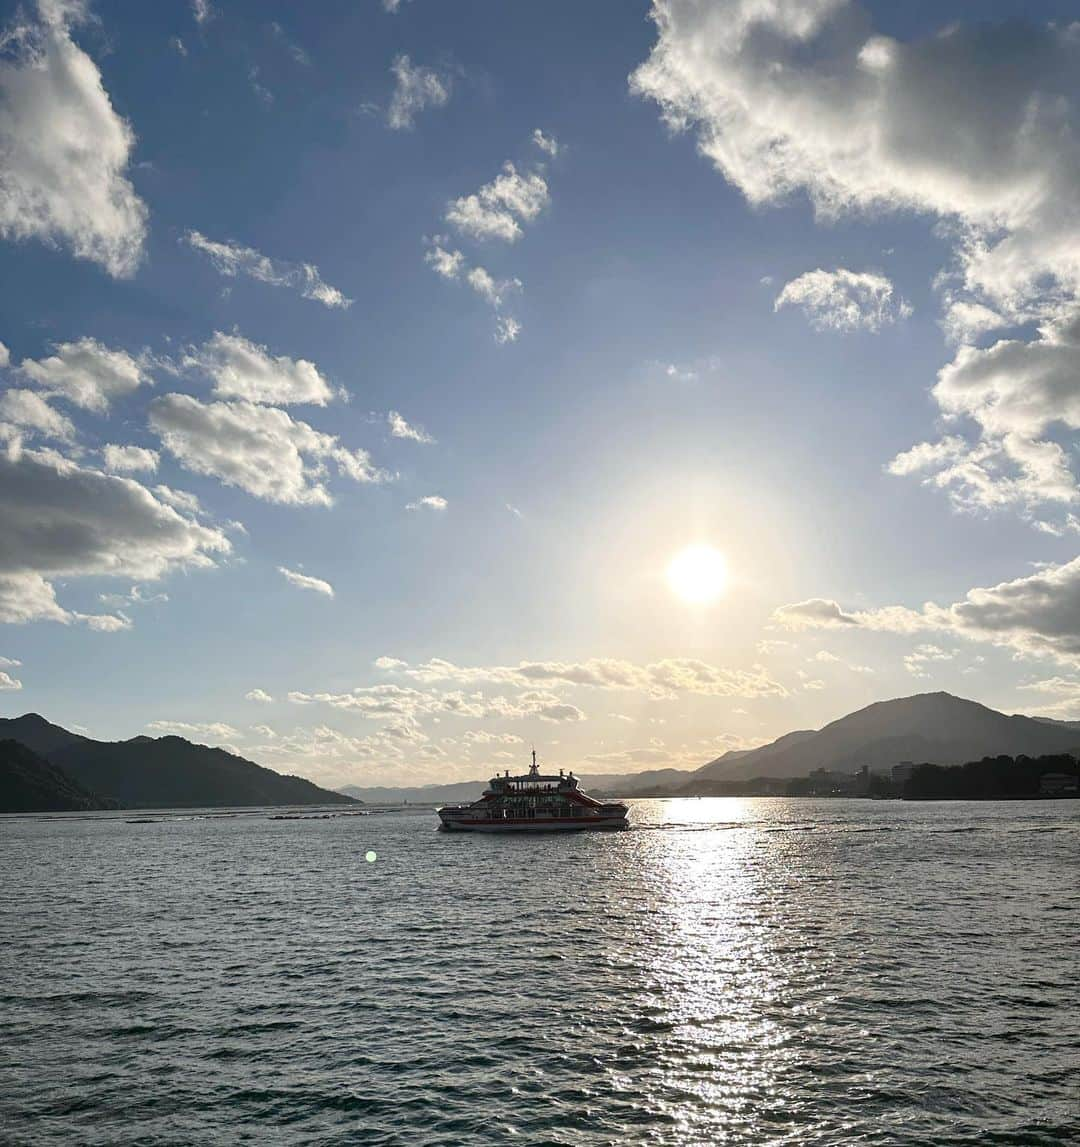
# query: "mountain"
[[930, 727], [37, 734], [162, 772], [30, 783]]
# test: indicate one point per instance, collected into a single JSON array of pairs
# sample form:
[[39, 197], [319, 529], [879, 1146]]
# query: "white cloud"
[[202, 11], [179, 499], [7, 682], [507, 329], [546, 143], [415, 88], [259, 449], [60, 519], [85, 373], [243, 369], [916, 663], [214, 730], [32, 414], [65, 150], [499, 208], [788, 98], [660, 679], [304, 581], [453, 266], [1034, 616], [843, 300], [129, 459], [259, 695], [399, 428], [5, 356], [233, 259], [430, 502]]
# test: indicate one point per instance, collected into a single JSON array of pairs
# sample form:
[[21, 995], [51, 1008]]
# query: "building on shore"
[[1059, 785]]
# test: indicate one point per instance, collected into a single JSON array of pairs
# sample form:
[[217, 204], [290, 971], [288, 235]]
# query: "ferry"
[[533, 802]]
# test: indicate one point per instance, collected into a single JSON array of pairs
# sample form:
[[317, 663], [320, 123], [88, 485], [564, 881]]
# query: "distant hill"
[[622, 784], [929, 727], [30, 783], [162, 772]]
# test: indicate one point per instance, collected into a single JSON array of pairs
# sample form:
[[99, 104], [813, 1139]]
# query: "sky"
[[366, 365]]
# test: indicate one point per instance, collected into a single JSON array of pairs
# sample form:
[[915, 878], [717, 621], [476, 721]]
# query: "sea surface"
[[727, 972]]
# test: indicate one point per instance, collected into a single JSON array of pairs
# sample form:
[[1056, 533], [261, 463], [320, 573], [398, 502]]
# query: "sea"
[[728, 971]]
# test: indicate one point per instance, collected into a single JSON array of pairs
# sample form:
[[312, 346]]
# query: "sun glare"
[[698, 574]]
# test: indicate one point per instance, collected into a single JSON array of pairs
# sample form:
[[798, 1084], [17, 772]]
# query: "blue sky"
[[472, 316]]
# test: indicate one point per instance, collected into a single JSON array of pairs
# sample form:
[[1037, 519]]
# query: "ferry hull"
[[567, 824]]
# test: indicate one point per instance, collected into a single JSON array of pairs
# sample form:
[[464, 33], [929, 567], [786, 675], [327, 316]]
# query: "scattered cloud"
[[86, 374], [129, 459], [415, 88], [787, 98], [1034, 616], [65, 150], [304, 581], [843, 300], [7, 682], [661, 679], [234, 259], [32, 415], [399, 428], [259, 449], [202, 11], [430, 502], [214, 730], [500, 207], [549, 145], [453, 266], [259, 695]]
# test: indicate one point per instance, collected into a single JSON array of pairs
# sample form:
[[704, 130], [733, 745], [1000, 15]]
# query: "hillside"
[[162, 772], [929, 727], [30, 783]]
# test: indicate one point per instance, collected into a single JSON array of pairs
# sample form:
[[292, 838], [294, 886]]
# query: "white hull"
[[577, 824]]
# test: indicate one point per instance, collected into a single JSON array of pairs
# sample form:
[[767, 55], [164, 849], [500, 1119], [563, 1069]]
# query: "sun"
[[698, 574]]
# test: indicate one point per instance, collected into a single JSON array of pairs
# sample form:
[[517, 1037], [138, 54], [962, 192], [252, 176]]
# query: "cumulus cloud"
[[32, 415], [430, 502], [415, 88], [60, 519], [243, 369], [259, 449], [7, 682], [65, 151], [1034, 616], [85, 373], [259, 695], [843, 300], [400, 428], [500, 207], [304, 581], [786, 98], [234, 259], [129, 459]]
